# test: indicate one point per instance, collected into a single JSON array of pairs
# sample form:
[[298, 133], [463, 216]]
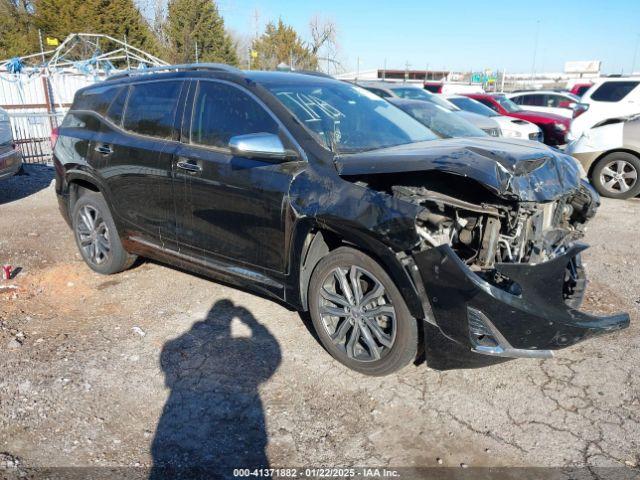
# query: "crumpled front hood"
[[513, 169]]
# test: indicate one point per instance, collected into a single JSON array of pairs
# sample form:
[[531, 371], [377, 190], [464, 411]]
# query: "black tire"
[[110, 256], [401, 327], [608, 164]]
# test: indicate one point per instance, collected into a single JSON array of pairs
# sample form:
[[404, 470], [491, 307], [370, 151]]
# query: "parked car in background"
[[607, 98], [328, 198], [610, 153], [579, 89], [433, 87], [442, 121], [546, 101], [554, 127], [389, 90], [509, 126], [10, 156]]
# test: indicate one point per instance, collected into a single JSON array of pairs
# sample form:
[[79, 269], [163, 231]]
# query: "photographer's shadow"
[[213, 420]]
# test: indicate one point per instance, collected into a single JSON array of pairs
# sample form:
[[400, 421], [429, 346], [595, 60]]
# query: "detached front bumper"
[[492, 321]]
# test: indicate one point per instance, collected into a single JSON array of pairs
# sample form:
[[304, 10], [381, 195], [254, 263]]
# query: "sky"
[[462, 34]]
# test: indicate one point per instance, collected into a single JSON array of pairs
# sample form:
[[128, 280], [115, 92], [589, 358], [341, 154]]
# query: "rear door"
[[136, 148], [230, 208]]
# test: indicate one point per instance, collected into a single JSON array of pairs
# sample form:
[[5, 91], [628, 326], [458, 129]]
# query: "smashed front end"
[[506, 277], [498, 263]]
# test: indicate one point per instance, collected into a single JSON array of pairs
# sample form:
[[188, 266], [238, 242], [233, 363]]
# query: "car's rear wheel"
[[360, 315], [96, 235], [616, 175]]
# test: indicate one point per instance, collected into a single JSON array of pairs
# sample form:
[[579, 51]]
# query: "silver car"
[[610, 153], [10, 157]]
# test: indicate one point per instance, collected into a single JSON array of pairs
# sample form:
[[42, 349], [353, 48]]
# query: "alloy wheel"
[[93, 235], [618, 176], [357, 313]]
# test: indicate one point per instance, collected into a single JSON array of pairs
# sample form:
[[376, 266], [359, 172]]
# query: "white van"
[[607, 98]]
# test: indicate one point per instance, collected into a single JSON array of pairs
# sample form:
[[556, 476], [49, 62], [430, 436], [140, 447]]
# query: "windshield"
[[507, 104], [470, 105], [345, 118], [443, 122]]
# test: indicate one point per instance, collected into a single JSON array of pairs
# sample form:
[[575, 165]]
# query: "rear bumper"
[[492, 321], [10, 163]]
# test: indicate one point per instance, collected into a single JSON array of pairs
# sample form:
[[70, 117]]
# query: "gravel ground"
[[155, 365]]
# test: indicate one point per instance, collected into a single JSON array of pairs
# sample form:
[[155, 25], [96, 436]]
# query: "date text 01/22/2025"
[[316, 472]]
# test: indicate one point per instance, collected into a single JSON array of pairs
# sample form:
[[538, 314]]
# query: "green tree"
[[117, 18], [191, 21], [17, 35], [281, 44]]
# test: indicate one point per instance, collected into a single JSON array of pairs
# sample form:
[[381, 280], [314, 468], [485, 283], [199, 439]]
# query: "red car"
[[554, 127], [579, 88]]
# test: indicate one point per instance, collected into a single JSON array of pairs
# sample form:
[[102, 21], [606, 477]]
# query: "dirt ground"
[[156, 365]]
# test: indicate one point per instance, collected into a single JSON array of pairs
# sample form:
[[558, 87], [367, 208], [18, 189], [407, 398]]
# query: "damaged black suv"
[[320, 194]]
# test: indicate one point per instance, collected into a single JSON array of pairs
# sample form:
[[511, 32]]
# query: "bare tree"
[[324, 44]]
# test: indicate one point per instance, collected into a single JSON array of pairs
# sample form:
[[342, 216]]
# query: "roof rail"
[[219, 67], [313, 73]]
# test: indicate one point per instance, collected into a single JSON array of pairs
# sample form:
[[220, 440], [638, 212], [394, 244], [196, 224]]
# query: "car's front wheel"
[[360, 315], [616, 175], [96, 235]]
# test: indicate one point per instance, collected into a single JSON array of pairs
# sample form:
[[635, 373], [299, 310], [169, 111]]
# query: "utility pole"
[[406, 71], [384, 70], [358, 69], [197, 52], [535, 50]]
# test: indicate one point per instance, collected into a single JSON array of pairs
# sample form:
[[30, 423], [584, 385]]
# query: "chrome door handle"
[[104, 149], [189, 166]]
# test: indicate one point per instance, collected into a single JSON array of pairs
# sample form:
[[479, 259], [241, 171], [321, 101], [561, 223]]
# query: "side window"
[[151, 108], [117, 107], [532, 100], [519, 100], [553, 101], [221, 111], [96, 99], [613, 91]]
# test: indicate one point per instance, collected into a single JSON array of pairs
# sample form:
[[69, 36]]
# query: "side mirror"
[[265, 146]]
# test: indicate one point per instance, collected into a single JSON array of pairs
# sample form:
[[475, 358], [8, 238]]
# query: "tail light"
[[579, 109], [55, 133]]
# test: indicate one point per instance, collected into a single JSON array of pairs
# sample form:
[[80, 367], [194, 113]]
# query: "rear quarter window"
[[114, 114], [96, 99], [151, 108], [613, 91]]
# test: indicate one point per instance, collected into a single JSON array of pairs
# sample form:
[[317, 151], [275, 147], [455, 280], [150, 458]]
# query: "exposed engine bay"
[[488, 233]]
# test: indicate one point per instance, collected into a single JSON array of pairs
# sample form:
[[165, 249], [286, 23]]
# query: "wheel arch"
[[77, 181], [320, 240], [609, 152]]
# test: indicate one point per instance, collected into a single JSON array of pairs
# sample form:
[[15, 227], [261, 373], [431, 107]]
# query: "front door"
[[230, 208]]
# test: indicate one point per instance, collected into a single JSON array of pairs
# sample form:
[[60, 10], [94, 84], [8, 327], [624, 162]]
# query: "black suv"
[[322, 195]]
